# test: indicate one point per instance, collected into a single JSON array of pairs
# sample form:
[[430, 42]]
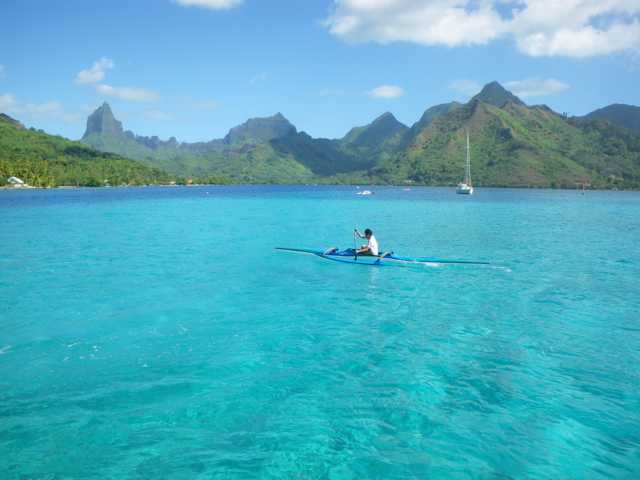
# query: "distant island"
[[513, 145]]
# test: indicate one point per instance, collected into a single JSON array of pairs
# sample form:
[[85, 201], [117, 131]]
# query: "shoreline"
[[355, 186]]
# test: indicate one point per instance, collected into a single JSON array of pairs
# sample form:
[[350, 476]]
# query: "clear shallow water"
[[154, 333]]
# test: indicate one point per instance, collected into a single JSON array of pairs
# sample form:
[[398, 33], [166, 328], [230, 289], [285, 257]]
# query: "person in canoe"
[[371, 248]]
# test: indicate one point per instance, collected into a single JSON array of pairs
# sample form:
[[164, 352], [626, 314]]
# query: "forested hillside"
[[512, 144], [46, 161]]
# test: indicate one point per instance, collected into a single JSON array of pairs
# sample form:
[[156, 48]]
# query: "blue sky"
[[195, 68]]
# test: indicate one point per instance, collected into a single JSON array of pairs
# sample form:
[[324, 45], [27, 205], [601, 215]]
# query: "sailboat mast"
[[467, 172]]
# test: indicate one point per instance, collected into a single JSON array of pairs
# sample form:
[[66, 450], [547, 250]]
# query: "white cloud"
[[211, 4], [536, 87], [386, 92], [577, 28], [206, 105], [6, 102], [158, 115], [260, 77], [127, 93], [9, 103], [584, 41], [51, 109], [632, 61], [569, 28], [434, 22], [95, 73], [466, 87], [330, 92]]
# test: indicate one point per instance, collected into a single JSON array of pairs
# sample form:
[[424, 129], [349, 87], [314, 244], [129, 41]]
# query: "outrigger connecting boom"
[[388, 258]]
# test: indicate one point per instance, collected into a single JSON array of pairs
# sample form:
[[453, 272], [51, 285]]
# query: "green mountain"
[[432, 113], [46, 160], [427, 117], [495, 94], [367, 146], [376, 134], [517, 145], [627, 116], [245, 155], [12, 121], [322, 157], [512, 144], [102, 121], [358, 151], [259, 130]]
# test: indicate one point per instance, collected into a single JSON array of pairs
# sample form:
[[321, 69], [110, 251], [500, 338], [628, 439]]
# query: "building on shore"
[[16, 182]]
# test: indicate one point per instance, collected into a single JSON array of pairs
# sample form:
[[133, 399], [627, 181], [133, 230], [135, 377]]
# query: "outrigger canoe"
[[388, 258]]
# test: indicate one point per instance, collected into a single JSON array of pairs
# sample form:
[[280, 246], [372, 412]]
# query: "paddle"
[[355, 248]]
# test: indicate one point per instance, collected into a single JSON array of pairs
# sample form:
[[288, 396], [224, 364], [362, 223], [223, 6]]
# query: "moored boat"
[[466, 187]]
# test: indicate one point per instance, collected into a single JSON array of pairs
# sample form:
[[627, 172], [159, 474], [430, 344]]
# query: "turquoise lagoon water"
[[155, 333]]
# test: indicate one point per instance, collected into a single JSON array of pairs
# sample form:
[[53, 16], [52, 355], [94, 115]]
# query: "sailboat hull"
[[464, 189]]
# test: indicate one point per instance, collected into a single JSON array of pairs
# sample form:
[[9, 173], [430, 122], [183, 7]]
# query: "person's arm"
[[355, 230]]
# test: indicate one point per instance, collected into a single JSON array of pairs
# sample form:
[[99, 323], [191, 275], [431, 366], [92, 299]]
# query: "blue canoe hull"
[[347, 256]]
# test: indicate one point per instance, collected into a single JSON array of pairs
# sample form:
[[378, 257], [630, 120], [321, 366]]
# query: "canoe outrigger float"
[[388, 258]]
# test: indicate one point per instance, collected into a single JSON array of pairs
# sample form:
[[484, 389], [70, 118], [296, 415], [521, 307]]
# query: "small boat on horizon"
[[466, 187]]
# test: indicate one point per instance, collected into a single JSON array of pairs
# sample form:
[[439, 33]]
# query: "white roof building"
[[15, 181]]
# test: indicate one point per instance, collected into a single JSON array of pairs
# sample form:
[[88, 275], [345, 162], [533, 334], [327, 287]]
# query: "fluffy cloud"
[[466, 87], [50, 109], [260, 77], [434, 22], [127, 93], [6, 101], [536, 87], [570, 28], [9, 103], [386, 92], [205, 105], [158, 115], [95, 73], [330, 92], [211, 4], [577, 28]]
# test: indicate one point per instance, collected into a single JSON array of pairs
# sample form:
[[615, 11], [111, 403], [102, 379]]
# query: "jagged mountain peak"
[[10, 120], [495, 94], [268, 149], [434, 112], [375, 133], [261, 129], [388, 119], [385, 116], [102, 120], [620, 114]]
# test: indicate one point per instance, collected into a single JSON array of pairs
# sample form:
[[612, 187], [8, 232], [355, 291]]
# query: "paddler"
[[371, 248]]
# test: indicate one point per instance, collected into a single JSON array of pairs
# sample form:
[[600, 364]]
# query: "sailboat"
[[466, 188]]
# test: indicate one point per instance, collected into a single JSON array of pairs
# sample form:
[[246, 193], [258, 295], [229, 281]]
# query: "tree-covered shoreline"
[[512, 145], [46, 161]]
